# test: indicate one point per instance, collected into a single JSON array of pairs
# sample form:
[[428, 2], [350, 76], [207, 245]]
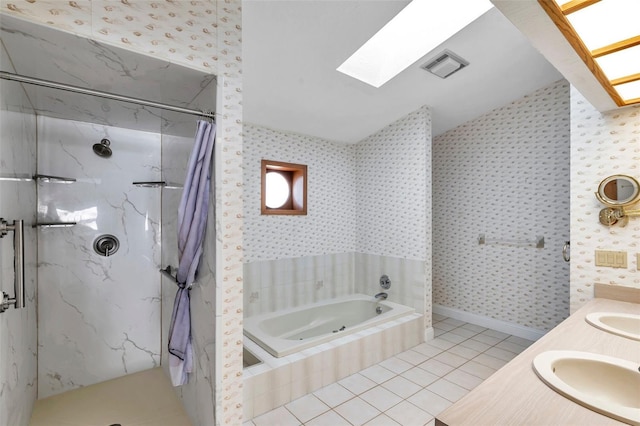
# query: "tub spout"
[[381, 296]]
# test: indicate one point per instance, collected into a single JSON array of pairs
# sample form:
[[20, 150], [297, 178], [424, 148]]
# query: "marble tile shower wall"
[[100, 316], [505, 175], [602, 144], [18, 327], [175, 155], [212, 30], [199, 392]]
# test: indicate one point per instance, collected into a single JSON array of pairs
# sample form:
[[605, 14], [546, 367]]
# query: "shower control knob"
[[385, 282], [106, 245]]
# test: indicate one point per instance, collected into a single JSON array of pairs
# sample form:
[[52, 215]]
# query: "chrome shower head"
[[102, 149]]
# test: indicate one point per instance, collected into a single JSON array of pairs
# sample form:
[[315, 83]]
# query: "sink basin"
[[601, 383], [625, 325]]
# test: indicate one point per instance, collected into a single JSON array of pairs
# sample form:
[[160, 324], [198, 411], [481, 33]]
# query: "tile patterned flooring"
[[409, 389]]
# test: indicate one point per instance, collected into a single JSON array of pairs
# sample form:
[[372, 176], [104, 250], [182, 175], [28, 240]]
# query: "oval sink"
[[625, 325], [601, 383]]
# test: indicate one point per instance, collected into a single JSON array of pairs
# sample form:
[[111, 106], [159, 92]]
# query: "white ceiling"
[[291, 50]]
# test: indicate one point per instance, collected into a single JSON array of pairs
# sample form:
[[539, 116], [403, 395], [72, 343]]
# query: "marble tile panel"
[[98, 308], [70, 59], [18, 327]]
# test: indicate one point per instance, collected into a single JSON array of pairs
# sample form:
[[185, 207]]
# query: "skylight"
[[606, 35], [419, 28]]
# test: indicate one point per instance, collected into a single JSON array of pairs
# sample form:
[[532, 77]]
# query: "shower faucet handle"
[[385, 282]]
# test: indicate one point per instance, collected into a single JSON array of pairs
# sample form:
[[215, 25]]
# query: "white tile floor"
[[409, 389]]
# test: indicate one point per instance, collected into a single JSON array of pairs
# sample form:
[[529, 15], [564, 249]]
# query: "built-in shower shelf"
[[53, 179], [157, 184], [54, 224], [170, 185], [16, 178], [150, 184]]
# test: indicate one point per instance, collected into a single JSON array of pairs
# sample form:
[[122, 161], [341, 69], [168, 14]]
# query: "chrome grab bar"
[[537, 243], [18, 301]]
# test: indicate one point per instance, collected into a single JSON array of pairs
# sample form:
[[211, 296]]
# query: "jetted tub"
[[285, 332]]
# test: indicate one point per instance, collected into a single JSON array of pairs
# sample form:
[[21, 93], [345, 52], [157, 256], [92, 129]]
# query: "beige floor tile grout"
[[490, 335]]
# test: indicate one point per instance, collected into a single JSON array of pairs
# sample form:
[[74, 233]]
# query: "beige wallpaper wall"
[[505, 175], [601, 145], [393, 182], [180, 31], [185, 32], [330, 224]]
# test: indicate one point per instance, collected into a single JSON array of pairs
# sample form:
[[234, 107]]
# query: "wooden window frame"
[[295, 174]]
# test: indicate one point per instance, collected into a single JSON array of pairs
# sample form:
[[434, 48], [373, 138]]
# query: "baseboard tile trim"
[[429, 334], [494, 324]]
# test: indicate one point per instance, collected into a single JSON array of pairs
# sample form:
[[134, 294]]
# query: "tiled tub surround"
[[100, 316], [273, 285], [18, 327], [408, 278], [278, 381]]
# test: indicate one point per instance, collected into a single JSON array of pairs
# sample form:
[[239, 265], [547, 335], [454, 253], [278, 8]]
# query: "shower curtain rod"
[[76, 89]]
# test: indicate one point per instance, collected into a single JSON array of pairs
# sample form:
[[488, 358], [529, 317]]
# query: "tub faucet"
[[381, 296]]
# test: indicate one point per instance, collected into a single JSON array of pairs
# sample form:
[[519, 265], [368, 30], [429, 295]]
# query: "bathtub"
[[285, 332]]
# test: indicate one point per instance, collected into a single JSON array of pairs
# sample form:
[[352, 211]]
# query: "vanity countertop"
[[514, 395]]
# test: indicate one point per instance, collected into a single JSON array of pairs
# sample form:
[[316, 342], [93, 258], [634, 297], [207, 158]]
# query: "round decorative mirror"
[[618, 191]]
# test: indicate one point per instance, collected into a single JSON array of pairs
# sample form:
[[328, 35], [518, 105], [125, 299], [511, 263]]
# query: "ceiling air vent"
[[445, 64]]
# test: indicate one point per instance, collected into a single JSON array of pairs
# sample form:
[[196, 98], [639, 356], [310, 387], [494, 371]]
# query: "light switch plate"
[[611, 259]]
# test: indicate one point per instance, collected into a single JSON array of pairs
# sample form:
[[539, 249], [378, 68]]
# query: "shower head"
[[102, 149]]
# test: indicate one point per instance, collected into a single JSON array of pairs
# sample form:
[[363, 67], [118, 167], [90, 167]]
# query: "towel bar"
[[538, 243]]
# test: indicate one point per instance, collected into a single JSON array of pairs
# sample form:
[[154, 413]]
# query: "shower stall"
[[94, 142]]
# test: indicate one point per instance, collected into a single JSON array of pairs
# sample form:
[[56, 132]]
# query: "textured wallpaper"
[[180, 31], [371, 197], [330, 223], [505, 175], [393, 189], [601, 145]]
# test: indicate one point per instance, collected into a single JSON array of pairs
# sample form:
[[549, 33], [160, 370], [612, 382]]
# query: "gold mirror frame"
[[602, 196], [616, 212]]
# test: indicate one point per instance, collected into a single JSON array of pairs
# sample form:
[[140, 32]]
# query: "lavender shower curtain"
[[192, 222]]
